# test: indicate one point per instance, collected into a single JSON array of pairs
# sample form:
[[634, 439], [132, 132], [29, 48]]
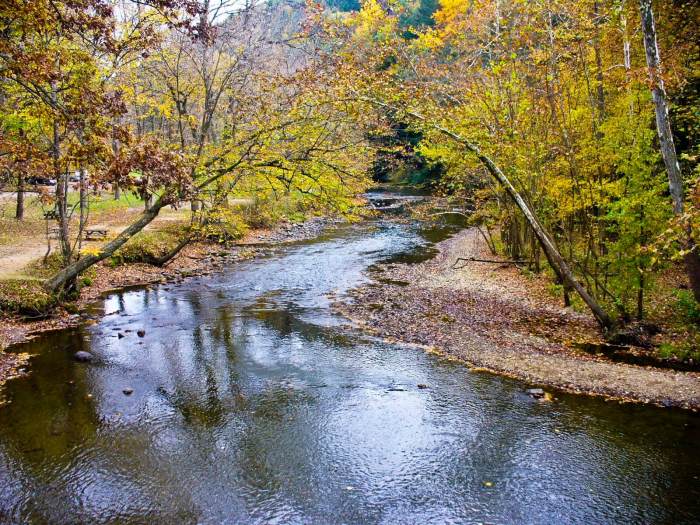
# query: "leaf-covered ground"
[[493, 317]]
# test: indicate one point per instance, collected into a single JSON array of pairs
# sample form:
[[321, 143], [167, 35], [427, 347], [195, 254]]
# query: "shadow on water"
[[252, 403]]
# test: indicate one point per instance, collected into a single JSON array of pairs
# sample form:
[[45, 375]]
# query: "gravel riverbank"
[[494, 318]]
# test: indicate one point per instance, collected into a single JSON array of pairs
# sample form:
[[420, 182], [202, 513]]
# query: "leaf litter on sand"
[[501, 321]]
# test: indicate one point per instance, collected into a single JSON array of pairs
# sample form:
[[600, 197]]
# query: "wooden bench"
[[95, 234], [51, 215]]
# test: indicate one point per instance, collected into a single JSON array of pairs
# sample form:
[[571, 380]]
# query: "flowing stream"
[[254, 403]]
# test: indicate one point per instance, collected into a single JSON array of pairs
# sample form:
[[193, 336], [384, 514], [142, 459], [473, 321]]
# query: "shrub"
[[682, 351], [267, 211], [261, 215], [223, 225], [688, 306], [145, 247]]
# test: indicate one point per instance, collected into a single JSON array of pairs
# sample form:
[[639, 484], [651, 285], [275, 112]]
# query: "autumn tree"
[[553, 95], [58, 58], [242, 111], [667, 146]]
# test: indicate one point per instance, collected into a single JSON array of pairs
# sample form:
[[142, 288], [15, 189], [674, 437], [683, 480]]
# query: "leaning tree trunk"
[[559, 265], [556, 260], [70, 273], [668, 148], [165, 259]]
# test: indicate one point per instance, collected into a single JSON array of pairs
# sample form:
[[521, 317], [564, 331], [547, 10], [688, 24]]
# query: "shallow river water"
[[253, 403]]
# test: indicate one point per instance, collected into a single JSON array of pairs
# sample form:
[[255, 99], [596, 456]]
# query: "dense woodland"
[[568, 127]]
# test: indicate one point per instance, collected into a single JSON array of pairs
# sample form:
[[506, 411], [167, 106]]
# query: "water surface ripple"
[[253, 403]]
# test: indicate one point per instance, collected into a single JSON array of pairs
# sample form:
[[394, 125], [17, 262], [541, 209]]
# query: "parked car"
[[75, 176], [41, 181]]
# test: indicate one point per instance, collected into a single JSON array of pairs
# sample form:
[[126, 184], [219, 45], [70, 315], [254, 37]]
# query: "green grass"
[[681, 352], [43, 269], [106, 202], [147, 247]]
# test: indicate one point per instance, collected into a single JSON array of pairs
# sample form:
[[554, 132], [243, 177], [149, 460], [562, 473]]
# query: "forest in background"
[[560, 98], [294, 106]]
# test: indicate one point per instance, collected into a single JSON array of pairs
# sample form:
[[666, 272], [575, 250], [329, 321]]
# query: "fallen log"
[[493, 261]]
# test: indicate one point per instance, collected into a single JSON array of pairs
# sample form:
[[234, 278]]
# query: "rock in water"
[[535, 392], [83, 357], [128, 391], [141, 333]]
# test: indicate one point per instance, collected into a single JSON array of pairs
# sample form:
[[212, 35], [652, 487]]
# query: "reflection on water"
[[253, 403]]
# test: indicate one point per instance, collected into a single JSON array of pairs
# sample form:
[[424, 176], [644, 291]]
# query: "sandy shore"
[[494, 318]]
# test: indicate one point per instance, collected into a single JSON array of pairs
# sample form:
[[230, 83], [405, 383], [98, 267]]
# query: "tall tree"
[[666, 144], [243, 110]]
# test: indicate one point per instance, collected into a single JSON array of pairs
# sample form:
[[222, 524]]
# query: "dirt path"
[[15, 257], [495, 318]]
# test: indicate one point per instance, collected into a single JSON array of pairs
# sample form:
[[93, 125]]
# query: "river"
[[253, 402]]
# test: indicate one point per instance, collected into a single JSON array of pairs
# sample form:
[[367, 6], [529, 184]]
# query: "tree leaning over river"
[[556, 261], [556, 98], [175, 102]]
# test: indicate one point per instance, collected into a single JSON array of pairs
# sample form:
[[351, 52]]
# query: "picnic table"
[[95, 234], [90, 234]]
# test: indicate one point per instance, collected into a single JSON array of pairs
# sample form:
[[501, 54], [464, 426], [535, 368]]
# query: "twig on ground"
[[493, 261]]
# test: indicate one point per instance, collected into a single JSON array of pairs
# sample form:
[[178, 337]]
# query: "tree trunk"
[[115, 150], [556, 260], [19, 212], [61, 195], [162, 261], [600, 92], [70, 273], [83, 207], [668, 148]]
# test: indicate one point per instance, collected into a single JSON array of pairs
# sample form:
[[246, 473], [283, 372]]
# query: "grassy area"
[[102, 207], [104, 201], [148, 246], [107, 203], [25, 297]]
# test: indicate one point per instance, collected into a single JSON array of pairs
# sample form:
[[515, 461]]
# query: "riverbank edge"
[[493, 319], [197, 259]]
